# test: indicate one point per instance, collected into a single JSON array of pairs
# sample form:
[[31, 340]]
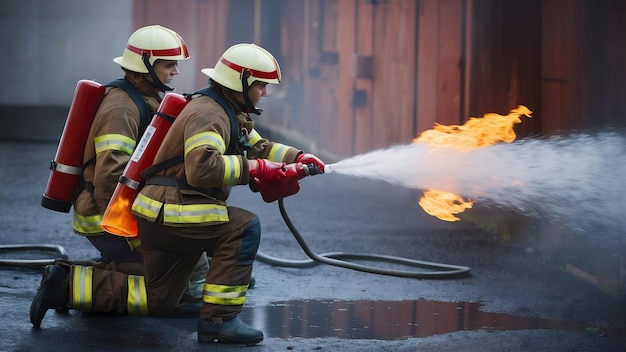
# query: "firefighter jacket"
[[112, 140], [197, 190]]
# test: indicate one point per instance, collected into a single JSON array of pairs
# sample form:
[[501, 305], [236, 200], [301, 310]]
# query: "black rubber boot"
[[53, 293], [231, 331]]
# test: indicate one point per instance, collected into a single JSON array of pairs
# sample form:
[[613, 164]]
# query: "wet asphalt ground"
[[512, 299]]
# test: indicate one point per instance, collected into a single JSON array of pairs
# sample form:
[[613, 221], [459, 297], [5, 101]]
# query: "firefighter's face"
[[257, 91], [166, 70]]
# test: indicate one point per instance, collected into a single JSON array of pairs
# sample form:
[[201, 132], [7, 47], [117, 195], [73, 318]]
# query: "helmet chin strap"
[[248, 107], [156, 81]]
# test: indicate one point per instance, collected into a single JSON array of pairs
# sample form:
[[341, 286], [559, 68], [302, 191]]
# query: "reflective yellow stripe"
[[137, 302], [82, 288], [224, 295], [278, 152], [147, 206], [87, 224], [194, 213], [232, 170], [254, 137], [115, 142], [211, 139], [180, 213]]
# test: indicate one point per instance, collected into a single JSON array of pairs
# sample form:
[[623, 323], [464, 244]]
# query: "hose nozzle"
[[312, 169]]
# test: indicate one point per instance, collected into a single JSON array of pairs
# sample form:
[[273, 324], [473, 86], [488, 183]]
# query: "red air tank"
[[118, 218], [67, 166]]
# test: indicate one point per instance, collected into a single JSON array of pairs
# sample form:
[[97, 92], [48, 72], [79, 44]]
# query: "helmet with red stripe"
[[151, 43], [243, 64]]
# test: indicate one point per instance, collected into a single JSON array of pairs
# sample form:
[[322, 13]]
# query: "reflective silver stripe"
[[82, 280], [137, 298], [194, 213], [254, 137], [278, 152], [147, 206], [226, 294], [89, 224], [66, 169], [212, 139], [232, 170], [114, 142]]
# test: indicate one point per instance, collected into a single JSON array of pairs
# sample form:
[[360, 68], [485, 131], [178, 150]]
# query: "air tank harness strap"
[[215, 94], [162, 166], [135, 95], [89, 187], [144, 116]]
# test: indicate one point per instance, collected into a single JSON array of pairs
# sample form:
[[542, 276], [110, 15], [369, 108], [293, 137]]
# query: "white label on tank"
[[143, 143]]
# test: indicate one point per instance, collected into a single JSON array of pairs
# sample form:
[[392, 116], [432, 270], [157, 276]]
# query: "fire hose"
[[62, 255], [340, 259]]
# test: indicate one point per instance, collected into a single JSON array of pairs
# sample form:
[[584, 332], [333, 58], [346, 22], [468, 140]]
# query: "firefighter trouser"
[[108, 289], [116, 287], [170, 254]]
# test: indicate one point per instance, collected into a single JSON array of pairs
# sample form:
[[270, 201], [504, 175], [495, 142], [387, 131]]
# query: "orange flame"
[[443, 204], [475, 133]]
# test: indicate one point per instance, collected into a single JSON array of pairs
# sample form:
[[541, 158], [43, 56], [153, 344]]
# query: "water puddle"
[[389, 320]]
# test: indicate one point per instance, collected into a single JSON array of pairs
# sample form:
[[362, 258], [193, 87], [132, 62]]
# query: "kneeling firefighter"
[[182, 211], [149, 61]]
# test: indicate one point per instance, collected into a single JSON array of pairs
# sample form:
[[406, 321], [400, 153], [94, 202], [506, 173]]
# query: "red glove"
[[273, 191], [285, 185], [308, 159], [275, 180], [269, 171]]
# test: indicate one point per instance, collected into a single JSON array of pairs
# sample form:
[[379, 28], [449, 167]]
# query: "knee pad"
[[250, 240]]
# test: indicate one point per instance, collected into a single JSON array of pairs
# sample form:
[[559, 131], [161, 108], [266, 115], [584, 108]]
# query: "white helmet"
[[150, 44], [244, 62]]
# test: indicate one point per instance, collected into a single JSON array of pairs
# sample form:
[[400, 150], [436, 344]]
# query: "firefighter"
[[182, 210], [149, 61]]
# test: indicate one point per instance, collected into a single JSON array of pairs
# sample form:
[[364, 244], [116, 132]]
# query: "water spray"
[[574, 181]]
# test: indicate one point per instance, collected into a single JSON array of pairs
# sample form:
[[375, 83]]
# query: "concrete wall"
[[48, 45]]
